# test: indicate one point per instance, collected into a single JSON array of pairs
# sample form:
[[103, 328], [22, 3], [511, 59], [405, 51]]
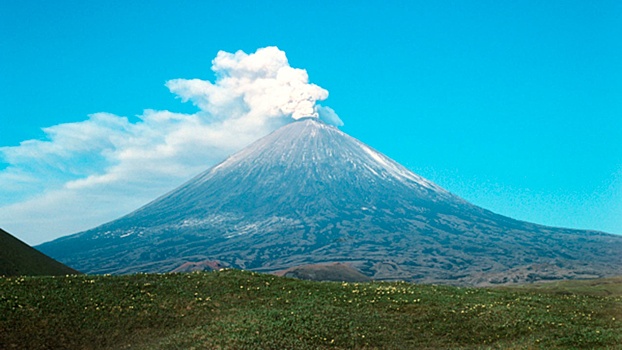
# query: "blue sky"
[[514, 106]]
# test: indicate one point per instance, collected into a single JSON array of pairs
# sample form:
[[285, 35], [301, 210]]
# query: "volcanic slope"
[[310, 194]]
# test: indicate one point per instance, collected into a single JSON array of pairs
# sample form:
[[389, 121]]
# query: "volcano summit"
[[310, 194]]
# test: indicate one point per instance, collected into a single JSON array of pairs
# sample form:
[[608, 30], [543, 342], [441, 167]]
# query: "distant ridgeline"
[[19, 259]]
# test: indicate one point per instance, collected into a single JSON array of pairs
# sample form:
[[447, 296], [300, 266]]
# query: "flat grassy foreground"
[[244, 310]]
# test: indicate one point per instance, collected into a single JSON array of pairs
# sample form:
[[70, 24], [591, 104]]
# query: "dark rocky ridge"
[[310, 194]]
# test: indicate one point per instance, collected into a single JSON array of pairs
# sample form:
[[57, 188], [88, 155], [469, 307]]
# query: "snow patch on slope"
[[398, 172]]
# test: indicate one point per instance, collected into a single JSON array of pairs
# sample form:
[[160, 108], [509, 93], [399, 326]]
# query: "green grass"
[[244, 310], [597, 287]]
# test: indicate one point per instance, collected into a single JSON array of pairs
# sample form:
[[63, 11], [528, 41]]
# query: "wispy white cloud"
[[86, 173]]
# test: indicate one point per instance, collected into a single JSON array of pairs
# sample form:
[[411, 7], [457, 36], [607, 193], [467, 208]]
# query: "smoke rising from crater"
[[259, 86]]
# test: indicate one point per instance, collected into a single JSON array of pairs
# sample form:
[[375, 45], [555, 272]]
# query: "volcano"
[[310, 194]]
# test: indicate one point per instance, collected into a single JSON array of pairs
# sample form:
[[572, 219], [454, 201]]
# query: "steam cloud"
[[93, 171], [258, 86]]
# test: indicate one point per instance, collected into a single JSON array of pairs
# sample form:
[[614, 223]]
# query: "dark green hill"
[[18, 259], [336, 272]]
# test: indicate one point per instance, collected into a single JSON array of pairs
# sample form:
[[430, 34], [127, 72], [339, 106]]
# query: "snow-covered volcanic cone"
[[308, 194]]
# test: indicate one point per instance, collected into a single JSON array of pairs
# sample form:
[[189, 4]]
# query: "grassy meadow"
[[232, 309]]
